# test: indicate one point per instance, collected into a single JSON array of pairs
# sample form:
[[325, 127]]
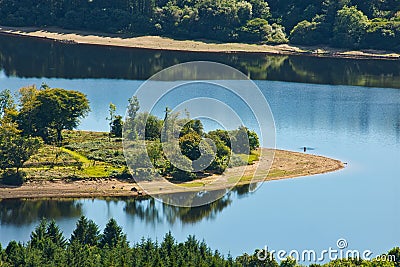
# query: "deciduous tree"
[[53, 109]]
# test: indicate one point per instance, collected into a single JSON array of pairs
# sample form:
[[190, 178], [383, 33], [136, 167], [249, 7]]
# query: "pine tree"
[[86, 232], [54, 233], [38, 236], [112, 235]]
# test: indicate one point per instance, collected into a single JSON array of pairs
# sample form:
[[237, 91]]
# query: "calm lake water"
[[358, 125]]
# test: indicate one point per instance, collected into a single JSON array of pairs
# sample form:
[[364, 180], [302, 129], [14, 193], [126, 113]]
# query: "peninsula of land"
[[285, 165]]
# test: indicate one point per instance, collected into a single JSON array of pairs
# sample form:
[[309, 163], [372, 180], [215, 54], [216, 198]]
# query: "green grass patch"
[[254, 156], [194, 184], [76, 155], [77, 158]]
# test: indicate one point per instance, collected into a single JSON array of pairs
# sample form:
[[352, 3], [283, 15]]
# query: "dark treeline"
[[223, 20], [344, 23], [86, 246]]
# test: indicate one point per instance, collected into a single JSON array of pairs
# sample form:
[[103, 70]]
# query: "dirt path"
[[163, 43], [286, 164]]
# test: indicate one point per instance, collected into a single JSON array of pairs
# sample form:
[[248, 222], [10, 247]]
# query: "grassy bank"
[[83, 155]]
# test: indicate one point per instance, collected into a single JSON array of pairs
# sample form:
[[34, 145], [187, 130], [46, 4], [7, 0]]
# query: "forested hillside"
[[338, 23]]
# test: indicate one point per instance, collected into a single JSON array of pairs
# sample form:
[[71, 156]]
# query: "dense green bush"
[[383, 34], [306, 33], [349, 27], [12, 177], [260, 31], [182, 176]]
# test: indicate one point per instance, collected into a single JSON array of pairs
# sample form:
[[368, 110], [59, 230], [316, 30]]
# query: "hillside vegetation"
[[355, 24]]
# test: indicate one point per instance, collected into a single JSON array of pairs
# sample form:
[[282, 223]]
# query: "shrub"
[[256, 30], [236, 161], [306, 33], [123, 175], [12, 177], [349, 28], [383, 35], [183, 176]]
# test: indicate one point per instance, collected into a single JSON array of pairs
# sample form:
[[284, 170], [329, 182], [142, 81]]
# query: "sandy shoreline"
[[163, 43], [286, 164]]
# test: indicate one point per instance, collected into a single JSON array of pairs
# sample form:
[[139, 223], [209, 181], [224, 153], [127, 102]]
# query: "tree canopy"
[[198, 152], [15, 149], [52, 110]]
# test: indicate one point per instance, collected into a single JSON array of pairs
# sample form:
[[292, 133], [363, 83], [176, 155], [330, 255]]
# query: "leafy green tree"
[[260, 9], [55, 109], [130, 124], [349, 28], [6, 102], [396, 253], [222, 149], [245, 11], [254, 141], [222, 135], [192, 126], [15, 149], [112, 235], [27, 96], [111, 111], [306, 33], [219, 164], [259, 30], [383, 34], [189, 144], [241, 139], [151, 125], [116, 126], [155, 152], [256, 30], [289, 262], [253, 260]]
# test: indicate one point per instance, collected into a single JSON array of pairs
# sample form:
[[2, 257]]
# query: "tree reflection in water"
[[152, 211], [22, 212], [57, 60]]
